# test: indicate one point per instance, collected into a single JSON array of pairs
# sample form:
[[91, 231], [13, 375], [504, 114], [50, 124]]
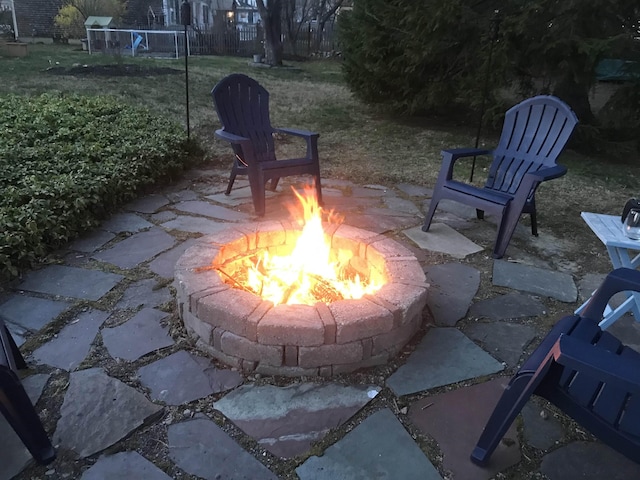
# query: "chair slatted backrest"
[[242, 105], [610, 402], [533, 135]]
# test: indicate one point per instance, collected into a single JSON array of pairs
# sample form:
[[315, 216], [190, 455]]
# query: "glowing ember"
[[313, 271]]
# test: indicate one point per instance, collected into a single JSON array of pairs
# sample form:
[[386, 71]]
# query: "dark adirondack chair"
[[585, 372], [242, 105], [533, 135], [16, 406]]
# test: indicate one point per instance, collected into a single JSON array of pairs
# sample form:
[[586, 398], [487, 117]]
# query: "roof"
[[94, 21]]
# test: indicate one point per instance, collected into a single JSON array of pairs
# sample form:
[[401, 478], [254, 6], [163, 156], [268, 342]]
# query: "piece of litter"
[[427, 405]]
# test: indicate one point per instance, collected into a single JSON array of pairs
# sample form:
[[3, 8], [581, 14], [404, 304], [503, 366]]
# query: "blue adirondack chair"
[[585, 372], [15, 404], [533, 135], [242, 105]]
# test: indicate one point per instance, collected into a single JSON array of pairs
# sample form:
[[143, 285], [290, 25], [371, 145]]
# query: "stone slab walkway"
[[124, 393]]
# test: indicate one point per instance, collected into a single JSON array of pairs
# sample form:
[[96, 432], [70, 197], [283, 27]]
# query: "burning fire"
[[312, 272]]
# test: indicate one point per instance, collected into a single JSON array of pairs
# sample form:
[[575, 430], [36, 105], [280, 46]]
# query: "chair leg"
[[256, 182], [16, 406], [433, 204], [506, 228], [507, 409], [232, 178], [274, 184], [318, 189], [514, 398], [534, 224], [17, 356]]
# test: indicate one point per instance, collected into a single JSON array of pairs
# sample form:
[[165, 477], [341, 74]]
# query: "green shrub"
[[66, 161]]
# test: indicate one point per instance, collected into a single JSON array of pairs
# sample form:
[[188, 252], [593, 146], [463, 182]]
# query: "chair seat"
[[486, 194]]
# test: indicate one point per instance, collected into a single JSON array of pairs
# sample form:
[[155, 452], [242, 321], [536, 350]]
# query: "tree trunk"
[[271, 19], [577, 97]]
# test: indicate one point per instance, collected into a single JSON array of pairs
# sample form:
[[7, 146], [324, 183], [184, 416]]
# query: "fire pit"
[[332, 333]]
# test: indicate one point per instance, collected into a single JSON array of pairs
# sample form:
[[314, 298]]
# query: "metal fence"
[[246, 40], [154, 43], [238, 40]]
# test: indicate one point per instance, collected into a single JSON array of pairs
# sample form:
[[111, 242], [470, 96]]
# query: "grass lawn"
[[357, 142]]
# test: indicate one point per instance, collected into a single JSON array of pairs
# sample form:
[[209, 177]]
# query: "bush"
[[66, 161]]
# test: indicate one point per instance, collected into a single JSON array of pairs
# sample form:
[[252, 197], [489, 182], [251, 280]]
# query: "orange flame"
[[311, 267]]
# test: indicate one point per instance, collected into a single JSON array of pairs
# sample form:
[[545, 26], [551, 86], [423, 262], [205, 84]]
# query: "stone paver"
[[541, 429], [505, 341], [70, 347], [379, 223], [138, 336], [144, 293], [124, 465], [136, 249], [200, 225], [415, 190], [92, 242], [148, 204], [18, 333], [32, 313], [70, 282], [549, 283], [287, 420], [508, 306], [379, 447], [456, 427], [395, 204], [213, 211], [588, 461], [444, 356], [98, 411], [453, 287], [201, 448], [164, 264], [239, 195], [125, 222], [181, 378], [443, 238]]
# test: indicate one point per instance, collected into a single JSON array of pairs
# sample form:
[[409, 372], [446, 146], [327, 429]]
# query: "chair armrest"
[[297, 132], [531, 181], [230, 137], [310, 137], [548, 173], [450, 156], [619, 280], [455, 153], [598, 363]]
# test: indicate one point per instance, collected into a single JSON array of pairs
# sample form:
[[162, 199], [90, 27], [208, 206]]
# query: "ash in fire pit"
[[256, 299]]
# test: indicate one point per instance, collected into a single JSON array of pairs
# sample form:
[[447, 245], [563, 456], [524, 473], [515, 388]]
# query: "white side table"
[[624, 252]]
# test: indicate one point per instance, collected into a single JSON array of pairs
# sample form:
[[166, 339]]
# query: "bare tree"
[[326, 10], [271, 15], [297, 14]]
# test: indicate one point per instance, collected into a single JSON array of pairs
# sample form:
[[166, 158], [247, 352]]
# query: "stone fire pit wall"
[[244, 331]]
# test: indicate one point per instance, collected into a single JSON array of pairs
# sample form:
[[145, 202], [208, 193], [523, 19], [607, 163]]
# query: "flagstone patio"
[[124, 393]]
